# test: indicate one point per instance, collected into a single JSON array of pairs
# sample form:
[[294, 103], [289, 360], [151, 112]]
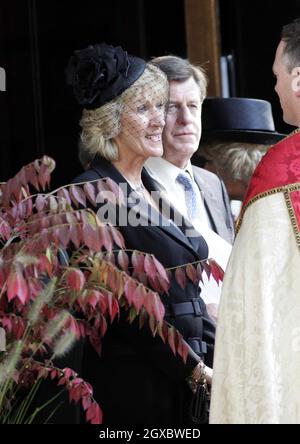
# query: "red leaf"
[[117, 237], [18, 328], [206, 267], [106, 236], [35, 287], [171, 339], [68, 372], [75, 279], [77, 195], [49, 162], [116, 190], [142, 317], [216, 271], [154, 284], [165, 285], [90, 237], [40, 202], [77, 381], [53, 203], [110, 257], [16, 188], [148, 303], [63, 235], [184, 351], [153, 325], [93, 298], [162, 272], [90, 193], [45, 238], [17, 286], [94, 414], [164, 332], [129, 288], [86, 402], [62, 381], [103, 302], [143, 278], [44, 175], [64, 194], [180, 277], [192, 273], [53, 374], [56, 220], [43, 373], [21, 207], [31, 176], [137, 260], [71, 324], [75, 235], [29, 206], [74, 394], [82, 329], [139, 297], [149, 266], [123, 260], [103, 326], [5, 230], [44, 223], [102, 187], [45, 264], [113, 306], [158, 307], [181, 346], [22, 177]]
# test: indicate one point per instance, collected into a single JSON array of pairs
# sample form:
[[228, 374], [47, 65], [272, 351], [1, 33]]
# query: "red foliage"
[[39, 280]]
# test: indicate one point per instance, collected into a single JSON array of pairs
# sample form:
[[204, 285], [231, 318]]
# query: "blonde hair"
[[237, 160], [101, 125]]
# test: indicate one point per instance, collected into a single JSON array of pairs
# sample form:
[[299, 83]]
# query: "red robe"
[[257, 353]]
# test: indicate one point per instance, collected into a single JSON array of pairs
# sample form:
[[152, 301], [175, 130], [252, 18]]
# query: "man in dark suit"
[[174, 171]]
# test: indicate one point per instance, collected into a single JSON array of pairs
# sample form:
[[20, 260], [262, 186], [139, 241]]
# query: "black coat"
[[138, 380]]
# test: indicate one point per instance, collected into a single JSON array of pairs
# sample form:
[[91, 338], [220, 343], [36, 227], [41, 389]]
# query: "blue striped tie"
[[191, 197]]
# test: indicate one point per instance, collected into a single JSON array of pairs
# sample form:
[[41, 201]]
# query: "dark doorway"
[[38, 115]]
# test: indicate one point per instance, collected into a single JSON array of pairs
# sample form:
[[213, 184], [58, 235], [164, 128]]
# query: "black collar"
[[104, 168]]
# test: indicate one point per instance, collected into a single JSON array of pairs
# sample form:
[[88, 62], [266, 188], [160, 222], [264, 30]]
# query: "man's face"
[[284, 86], [182, 130]]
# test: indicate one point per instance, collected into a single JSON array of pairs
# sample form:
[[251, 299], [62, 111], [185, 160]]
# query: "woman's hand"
[[208, 375], [200, 374]]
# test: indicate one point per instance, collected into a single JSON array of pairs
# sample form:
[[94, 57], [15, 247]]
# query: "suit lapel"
[[180, 230], [212, 207]]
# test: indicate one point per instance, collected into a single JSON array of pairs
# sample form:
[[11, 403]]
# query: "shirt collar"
[[164, 171], [189, 169]]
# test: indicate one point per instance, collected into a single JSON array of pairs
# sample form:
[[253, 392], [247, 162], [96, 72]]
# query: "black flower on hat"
[[100, 73]]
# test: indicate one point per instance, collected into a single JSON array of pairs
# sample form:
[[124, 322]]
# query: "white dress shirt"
[[165, 173]]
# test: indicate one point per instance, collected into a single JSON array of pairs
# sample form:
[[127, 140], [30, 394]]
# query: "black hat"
[[238, 119], [100, 73]]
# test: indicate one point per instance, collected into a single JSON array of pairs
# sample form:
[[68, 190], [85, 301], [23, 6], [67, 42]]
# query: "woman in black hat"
[[138, 379]]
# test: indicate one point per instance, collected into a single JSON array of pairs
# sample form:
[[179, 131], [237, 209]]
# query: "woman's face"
[[142, 123]]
